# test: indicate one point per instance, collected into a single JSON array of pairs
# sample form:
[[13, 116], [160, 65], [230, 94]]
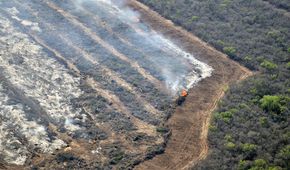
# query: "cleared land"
[[85, 86]]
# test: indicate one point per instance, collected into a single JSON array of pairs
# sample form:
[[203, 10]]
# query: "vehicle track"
[[121, 37], [165, 49], [205, 125], [107, 46], [195, 120], [142, 127], [106, 71], [220, 79]]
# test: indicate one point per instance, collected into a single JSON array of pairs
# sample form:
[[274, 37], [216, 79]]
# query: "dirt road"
[[190, 122]]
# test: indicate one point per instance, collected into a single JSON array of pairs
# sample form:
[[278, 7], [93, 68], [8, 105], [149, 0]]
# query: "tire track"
[[122, 38], [186, 162], [166, 47], [115, 77], [204, 134], [105, 70], [117, 104], [142, 127], [205, 128], [107, 46], [110, 73], [205, 124]]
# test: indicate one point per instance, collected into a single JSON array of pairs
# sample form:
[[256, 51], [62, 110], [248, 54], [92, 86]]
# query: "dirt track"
[[189, 124]]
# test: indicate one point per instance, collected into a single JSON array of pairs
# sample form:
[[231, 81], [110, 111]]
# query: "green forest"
[[250, 128]]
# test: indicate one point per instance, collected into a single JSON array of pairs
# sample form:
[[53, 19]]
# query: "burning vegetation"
[[86, 84]]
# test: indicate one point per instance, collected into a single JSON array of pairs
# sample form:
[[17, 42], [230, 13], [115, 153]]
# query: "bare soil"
[[190, 122]]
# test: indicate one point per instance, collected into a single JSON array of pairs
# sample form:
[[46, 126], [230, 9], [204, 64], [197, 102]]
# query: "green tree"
[[268, 65], [243, 165], [259, 164], [264, 121], [247, 147], [230, 51], [230, 145], [194, 18], [284, 154], [274, 168], [271, 103], [288, 65]]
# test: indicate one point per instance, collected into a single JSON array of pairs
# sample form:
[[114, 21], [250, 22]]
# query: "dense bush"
[[283, 4], [241, 28], [250, 129]]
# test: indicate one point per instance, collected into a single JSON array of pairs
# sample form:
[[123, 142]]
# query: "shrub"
[[65, 157], [271, 103], [230, 145], [162, 129], [288, 65], [260, 163], [230, 51], [243, 164], [213, 128], [274, 168], [248, 58], [247, 147], [154, 150], [228, 138], [226, 116], [194, 18], [285, 153], [268, 65], [264, 121], [225, 3], [117, 157]]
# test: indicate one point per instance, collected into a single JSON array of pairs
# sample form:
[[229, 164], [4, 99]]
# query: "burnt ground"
[[74, 100], [80, 89]]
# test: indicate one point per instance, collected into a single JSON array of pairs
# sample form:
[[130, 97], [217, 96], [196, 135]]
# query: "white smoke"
[[174, 81]]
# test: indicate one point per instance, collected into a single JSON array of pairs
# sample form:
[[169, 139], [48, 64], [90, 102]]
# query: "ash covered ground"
[[85, 84]]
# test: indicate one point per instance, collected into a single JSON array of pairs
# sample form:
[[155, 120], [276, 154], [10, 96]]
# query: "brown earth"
[[190, 122]]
